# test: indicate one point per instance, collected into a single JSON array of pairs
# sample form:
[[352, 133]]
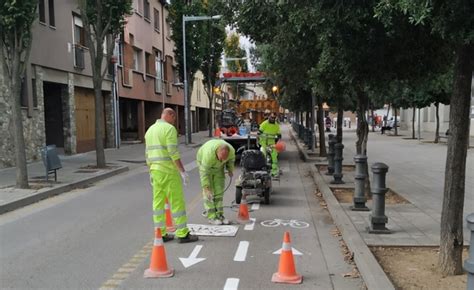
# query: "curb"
[[59, 190], [301, 150], [371, 271]]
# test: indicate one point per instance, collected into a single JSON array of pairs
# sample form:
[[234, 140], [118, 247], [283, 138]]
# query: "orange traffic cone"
[[243, 216], [286, 268], [169, 220], [217, 132], [158, 265]]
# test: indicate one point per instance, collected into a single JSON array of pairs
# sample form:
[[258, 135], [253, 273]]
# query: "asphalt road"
[[101, 237]]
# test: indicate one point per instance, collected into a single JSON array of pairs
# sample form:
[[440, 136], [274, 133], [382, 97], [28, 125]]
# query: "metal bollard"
[[359, 192], [469, 263], [331, 153], [377, 217], [338, 164]]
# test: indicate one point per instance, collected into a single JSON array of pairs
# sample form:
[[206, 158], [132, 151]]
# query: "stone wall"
[[69, 116], [109, 120], [33, 126]]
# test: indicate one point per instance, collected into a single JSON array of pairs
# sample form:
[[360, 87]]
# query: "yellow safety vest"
[[161, 141], [268, 133]]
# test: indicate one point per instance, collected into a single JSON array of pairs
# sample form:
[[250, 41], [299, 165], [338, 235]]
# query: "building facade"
[[57, 90], [147, 76]]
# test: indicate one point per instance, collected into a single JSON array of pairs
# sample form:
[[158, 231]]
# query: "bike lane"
[[247, 260]]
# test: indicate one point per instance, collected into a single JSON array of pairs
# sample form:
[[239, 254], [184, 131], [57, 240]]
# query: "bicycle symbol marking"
[[281, 222]]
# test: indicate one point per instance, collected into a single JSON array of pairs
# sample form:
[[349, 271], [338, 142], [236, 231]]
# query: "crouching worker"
[[212, 158], [167, 176]]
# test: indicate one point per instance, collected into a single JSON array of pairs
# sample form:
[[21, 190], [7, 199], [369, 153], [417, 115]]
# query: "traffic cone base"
[[286, 267], [158, 265], [158, 274], [296, 279]]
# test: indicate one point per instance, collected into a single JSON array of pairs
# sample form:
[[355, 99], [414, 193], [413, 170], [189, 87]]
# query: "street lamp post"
[[187, 125]]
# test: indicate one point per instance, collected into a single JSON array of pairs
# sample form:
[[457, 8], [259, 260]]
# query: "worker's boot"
[[215, 221], [189, 238]]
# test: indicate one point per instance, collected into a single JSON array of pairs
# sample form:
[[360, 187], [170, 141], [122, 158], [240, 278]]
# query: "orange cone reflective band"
[[158, 265], [286, 268], [169, 219], [243, 216]]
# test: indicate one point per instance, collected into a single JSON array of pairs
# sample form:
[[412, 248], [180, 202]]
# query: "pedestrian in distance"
[[213, 158], [167, 176]]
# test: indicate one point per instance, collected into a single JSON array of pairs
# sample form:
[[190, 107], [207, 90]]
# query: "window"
[[52, 21], [168, 28], [137, 59], [156, 19], [79, 36], [146, 9], [158, 72], [42, 13], [148, 63], [139, 7]]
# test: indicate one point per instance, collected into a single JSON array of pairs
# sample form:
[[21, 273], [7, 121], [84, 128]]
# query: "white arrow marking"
[[255, 206], [231, 284], [250, 226], [295, 252], [192, 259], [241, 253]]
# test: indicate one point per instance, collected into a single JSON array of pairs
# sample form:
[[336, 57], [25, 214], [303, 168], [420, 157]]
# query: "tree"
[[232, 49], [453, 21], [103, 21], [204, 42], [16, 21]]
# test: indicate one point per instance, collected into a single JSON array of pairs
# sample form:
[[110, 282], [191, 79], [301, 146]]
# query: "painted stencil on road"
[[285, 223], [218, 231]]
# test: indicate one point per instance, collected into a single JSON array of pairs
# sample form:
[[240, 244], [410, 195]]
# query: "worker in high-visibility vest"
[[213, 158], [167, 176], [268, 132]]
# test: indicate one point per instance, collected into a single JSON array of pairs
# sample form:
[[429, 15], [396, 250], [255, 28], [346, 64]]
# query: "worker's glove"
[[185, 178], [208, 194], [230, 173]]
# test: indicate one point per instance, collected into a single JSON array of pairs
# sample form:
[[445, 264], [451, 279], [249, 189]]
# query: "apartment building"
[[57, 91], [147, 76]]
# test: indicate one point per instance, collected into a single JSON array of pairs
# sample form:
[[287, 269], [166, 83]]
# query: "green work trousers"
[[275, 168], [214, 207], [168, 185]]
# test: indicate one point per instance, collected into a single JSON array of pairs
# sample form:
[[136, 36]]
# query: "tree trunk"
[[18, 137], [395, 122], [99, 121], [373, 119], [451, 240], [413, 123], [436, 140], [320, 120], [362, 136], [210, 119], [340, 116]]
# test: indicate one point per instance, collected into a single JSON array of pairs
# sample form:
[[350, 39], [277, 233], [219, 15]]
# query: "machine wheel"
[[266, 195], [238, 194]]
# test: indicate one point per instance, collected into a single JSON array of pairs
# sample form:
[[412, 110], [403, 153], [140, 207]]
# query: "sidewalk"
[[77, 172], [416, 172]]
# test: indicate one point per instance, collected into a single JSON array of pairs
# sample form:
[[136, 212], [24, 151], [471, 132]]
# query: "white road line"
[[190, 166], [231, 284], [241, 253], [250, 226], [255, 206]]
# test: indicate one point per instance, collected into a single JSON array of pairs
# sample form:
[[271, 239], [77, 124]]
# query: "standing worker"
[[162, 157], [270, 131], [213, 157]]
